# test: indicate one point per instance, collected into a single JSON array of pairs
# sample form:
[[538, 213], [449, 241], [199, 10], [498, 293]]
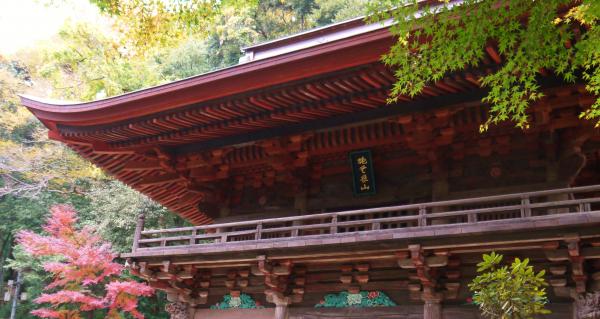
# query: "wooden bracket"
[[299, 281], [574, 256], [276, 276], [427, 272], [452, 274]]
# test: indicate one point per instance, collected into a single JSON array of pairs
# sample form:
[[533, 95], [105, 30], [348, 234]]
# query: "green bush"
[[503, 292]]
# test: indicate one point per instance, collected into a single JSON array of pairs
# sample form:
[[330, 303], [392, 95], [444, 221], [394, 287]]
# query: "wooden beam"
[[140, 166], [343, 119], [160, 180]]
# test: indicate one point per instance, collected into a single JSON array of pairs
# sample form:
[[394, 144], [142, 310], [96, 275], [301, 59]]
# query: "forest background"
[[141, 44]]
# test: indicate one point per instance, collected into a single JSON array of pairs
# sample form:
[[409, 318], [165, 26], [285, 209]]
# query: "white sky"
[[25, 22]]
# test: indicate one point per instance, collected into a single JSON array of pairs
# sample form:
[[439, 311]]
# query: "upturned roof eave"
[[165, 96]]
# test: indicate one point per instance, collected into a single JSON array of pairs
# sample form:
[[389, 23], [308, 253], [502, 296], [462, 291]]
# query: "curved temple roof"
[[86, 126], [184, 143], [333, 54]]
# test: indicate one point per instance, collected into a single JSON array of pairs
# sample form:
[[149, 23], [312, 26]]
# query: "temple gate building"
[[313, 198]]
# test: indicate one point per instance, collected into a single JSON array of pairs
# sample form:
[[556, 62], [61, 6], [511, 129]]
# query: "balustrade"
[[481, 210]]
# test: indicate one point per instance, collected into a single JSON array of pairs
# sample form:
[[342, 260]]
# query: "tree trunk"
[[15, 301], [4, 251]]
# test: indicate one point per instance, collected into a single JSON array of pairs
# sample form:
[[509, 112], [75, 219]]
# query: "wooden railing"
[[462, 211]]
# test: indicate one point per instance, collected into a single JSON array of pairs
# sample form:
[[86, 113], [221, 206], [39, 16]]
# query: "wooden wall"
[[526, 166]]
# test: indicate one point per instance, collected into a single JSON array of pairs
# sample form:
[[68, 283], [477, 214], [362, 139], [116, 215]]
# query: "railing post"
[[193, 236], [139, 227], [296, 231], [258, 231], [375, 226], [472, 218], [525, 209], [333, 228], [422, 216], [584, 207]]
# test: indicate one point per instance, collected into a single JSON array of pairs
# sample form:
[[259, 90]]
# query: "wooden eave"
[[330, 57], [176, 142]]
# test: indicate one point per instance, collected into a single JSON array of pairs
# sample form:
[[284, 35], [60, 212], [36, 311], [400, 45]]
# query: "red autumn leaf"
[[85, 264]]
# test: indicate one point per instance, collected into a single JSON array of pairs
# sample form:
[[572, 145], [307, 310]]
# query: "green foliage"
[[331, 11], [34, 279], [14, 78], [276, 18], [21, 213], [363, 299], [86, 63], [532, 38], [150, 42], [244, 301], [509, 293], [188, 59], [151, 24], [152, 307], [113, 211], [233, 29]]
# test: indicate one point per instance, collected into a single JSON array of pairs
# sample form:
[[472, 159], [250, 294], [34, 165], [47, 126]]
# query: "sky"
[[23, 23]]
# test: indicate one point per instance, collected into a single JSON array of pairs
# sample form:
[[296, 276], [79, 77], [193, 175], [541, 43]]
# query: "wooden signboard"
[[363, 175]]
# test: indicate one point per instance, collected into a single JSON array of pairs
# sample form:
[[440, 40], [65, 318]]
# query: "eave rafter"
[[183, 177]]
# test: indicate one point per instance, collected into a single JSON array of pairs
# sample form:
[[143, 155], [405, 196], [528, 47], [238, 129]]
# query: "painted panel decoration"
[[363, 175], [243, 301], [362, 299]]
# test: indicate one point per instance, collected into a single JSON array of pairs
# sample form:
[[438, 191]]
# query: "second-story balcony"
[[568, 208]]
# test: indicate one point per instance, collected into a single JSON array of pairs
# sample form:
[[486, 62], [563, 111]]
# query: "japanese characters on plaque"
[[363, 175]]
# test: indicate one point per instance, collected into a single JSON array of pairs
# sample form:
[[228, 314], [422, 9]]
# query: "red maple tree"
[[85, 276]]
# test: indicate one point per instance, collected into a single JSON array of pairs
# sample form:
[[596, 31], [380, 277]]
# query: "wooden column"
[[276, 280], [301, 202], [281, 311], [428, 272], [139, 227], [440, 186], [432, 309], [281, 305], [572, 159], [224, 211]]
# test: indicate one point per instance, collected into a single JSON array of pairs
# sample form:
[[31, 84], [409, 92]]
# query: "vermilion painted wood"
[[520, 206], [330, 57], [291, 96]]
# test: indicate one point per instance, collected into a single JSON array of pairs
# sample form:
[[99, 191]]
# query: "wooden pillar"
[[281, 311], [301, 202], [281, 304], [572, 160], [139, 227], [224, 211], [432, 309], [440, 186]]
